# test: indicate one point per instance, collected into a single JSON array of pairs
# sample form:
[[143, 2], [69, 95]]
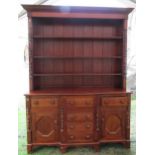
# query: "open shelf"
[[77, 53], [82, 37], [77, 57], [80, 74], [90, 90]]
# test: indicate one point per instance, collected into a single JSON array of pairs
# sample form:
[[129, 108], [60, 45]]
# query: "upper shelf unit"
[[77, 29]]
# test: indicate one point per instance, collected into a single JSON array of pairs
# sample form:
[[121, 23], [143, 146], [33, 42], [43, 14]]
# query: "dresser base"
[[78, 120]]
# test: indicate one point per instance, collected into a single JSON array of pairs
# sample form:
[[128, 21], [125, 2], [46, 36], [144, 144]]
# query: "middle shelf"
[[77, 57], [80, 74]]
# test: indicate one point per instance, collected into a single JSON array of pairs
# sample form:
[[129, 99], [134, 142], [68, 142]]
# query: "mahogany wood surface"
[[77, 70]]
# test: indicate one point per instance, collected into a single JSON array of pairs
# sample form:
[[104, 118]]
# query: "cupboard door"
[[44, 120], [113, 119]]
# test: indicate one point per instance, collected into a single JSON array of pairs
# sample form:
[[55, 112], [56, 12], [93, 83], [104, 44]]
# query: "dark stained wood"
[[77, 64], [50, 8]]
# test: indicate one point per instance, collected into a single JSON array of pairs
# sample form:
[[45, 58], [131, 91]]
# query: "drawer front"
[[79, 116], [76, 127], [40, 102], [80, 132], [114, 101], [79, 101], [80, 137]]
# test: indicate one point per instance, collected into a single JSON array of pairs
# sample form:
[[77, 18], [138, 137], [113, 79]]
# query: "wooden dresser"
[[77, 72]]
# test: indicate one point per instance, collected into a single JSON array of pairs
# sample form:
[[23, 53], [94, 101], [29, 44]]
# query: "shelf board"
[[77, 57], [78, 37], [79, 74], [71, 91]]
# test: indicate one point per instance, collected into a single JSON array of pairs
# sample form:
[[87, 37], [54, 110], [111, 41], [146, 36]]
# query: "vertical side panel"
[[124, 54], [28, 116], [128, 118], [62, 120], [30, 36], [97, 118]]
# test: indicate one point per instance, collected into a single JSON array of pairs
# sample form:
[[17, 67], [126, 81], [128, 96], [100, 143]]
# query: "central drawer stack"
[[80, 118]]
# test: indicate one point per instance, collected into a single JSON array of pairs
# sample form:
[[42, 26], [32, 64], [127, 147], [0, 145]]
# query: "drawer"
[[77, 127], [77, 102], [80, 137], [114, 101], [80, 116], [44, 102]]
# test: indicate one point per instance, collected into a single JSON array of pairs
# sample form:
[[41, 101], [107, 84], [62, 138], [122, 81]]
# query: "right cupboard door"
[[113, 118]]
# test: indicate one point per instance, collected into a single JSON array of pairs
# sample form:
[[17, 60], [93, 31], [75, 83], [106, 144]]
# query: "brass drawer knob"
[[71, 127], [87, 117], [72, 137], [88, 137], [36, 102], [55, 121], [88, 126]]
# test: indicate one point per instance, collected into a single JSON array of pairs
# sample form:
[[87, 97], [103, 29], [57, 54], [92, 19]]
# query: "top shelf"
[[79, 37]]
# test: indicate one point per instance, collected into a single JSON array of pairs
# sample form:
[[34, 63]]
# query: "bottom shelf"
[[76, 91], [41, 83]]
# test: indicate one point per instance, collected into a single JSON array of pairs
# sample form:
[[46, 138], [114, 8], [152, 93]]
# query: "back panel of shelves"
[[77, 53]]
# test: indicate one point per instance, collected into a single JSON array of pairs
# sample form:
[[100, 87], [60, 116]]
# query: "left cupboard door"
[[45, 121]]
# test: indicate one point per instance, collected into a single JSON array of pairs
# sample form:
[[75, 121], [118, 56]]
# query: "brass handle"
[[36, 102], [72, 137], [87, 117], [71, 127], [87, 137], [55, 121], [88, 126]]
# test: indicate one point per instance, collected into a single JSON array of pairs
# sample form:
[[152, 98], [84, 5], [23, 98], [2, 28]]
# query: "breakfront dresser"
[[77, 77]]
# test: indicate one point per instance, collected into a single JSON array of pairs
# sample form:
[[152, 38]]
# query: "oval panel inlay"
[[44, 125], [113, 124]]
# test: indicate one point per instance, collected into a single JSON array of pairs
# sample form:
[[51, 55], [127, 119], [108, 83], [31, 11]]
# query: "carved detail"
[[28, 120], [113, 132], [61, 119], [113, 124], [44, 125], [97, 122], [63, 149], [128, 124]]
